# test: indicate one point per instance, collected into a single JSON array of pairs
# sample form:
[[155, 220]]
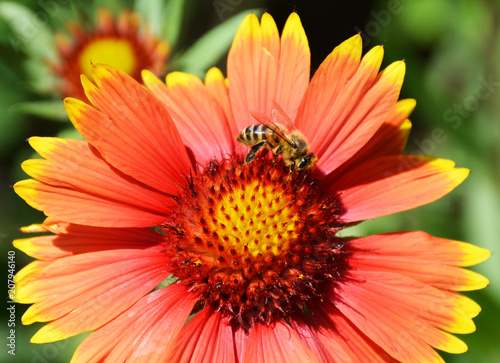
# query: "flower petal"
[[351, 118], [401, 315], [252, 68], [83, 292], [315, 114], [434, 261], [393, 184], [277, 343], [332, 350], [74, 239], [262, 69], [338, 339], [143, 332], [294, 66], [133, 131], [207, 337], [74, 174], [390, 138], [201, 121], [217, 85], [326, 85]]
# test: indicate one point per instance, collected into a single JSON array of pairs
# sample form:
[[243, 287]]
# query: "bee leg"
[[253, 151], [292, 169], [249, 158], [306, 174], [276, 152]]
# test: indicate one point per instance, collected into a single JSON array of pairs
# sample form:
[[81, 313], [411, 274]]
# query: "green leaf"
[[172, 21], [151, 12], [168, 281], [39, 77], [207, 50], [29, 30], [12, 125], [51, 110], [70, 133]]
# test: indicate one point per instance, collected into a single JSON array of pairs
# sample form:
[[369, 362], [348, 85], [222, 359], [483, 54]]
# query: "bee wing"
[[281, 117], [264, 120]]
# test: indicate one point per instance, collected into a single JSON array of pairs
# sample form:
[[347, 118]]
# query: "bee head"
[[307, 162]]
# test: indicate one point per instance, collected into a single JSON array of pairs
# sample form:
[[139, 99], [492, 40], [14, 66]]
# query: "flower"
[[120, 42], [254, 265]]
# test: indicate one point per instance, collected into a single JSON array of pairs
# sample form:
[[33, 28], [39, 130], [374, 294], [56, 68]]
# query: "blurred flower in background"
[[132, 40], [120, 42]]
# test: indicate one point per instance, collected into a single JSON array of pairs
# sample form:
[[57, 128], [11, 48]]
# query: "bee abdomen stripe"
[[275, 138], [247, 134]]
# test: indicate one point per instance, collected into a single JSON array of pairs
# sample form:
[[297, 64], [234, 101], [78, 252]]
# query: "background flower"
[[451, 50], [143, 33], [123, 41]]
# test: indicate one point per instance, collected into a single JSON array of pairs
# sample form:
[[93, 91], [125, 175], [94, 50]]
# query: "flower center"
[[113, 51], [254, 244]]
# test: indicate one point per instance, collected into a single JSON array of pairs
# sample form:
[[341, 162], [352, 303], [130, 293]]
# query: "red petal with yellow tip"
[[325, 89], [73, 173], [393, 184], [434, 261], [262, 69], [405, 315], [294, 66], [217, 85], [201, 121], [351, 118], [73, 239], [143, 332], [390, 138], [132, 129], [82, 292], [252, 69]]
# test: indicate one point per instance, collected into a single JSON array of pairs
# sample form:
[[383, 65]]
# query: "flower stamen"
[[254, 244]]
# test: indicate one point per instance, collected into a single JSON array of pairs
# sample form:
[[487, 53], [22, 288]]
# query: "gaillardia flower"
[[120, 42], [256, 268]]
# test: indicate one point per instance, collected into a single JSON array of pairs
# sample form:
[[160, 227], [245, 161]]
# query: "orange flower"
[[120, 43], [160, 189]]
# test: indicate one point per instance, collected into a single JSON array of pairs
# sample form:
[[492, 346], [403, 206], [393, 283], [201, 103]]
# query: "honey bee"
[[288, 142]]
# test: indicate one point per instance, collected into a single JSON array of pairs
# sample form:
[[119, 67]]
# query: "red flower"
[[160, 190], [120, 42]]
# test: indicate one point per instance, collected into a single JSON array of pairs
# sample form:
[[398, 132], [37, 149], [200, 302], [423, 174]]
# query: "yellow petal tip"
[[406, 106], [33, 228], [373, 59], [350, 47], [458, 175], [472, 255], [147, 74], [180, 78], [214, 74], [395, 73], [294, 30], [248, 27]]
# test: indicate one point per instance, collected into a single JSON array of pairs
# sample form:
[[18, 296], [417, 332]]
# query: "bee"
[[286, 141]]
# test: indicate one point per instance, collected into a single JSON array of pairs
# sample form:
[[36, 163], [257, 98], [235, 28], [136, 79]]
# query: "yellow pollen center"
[[113, 51], [257, 220]]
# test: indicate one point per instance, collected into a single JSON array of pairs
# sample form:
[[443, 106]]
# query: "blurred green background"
[[452, 52]]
